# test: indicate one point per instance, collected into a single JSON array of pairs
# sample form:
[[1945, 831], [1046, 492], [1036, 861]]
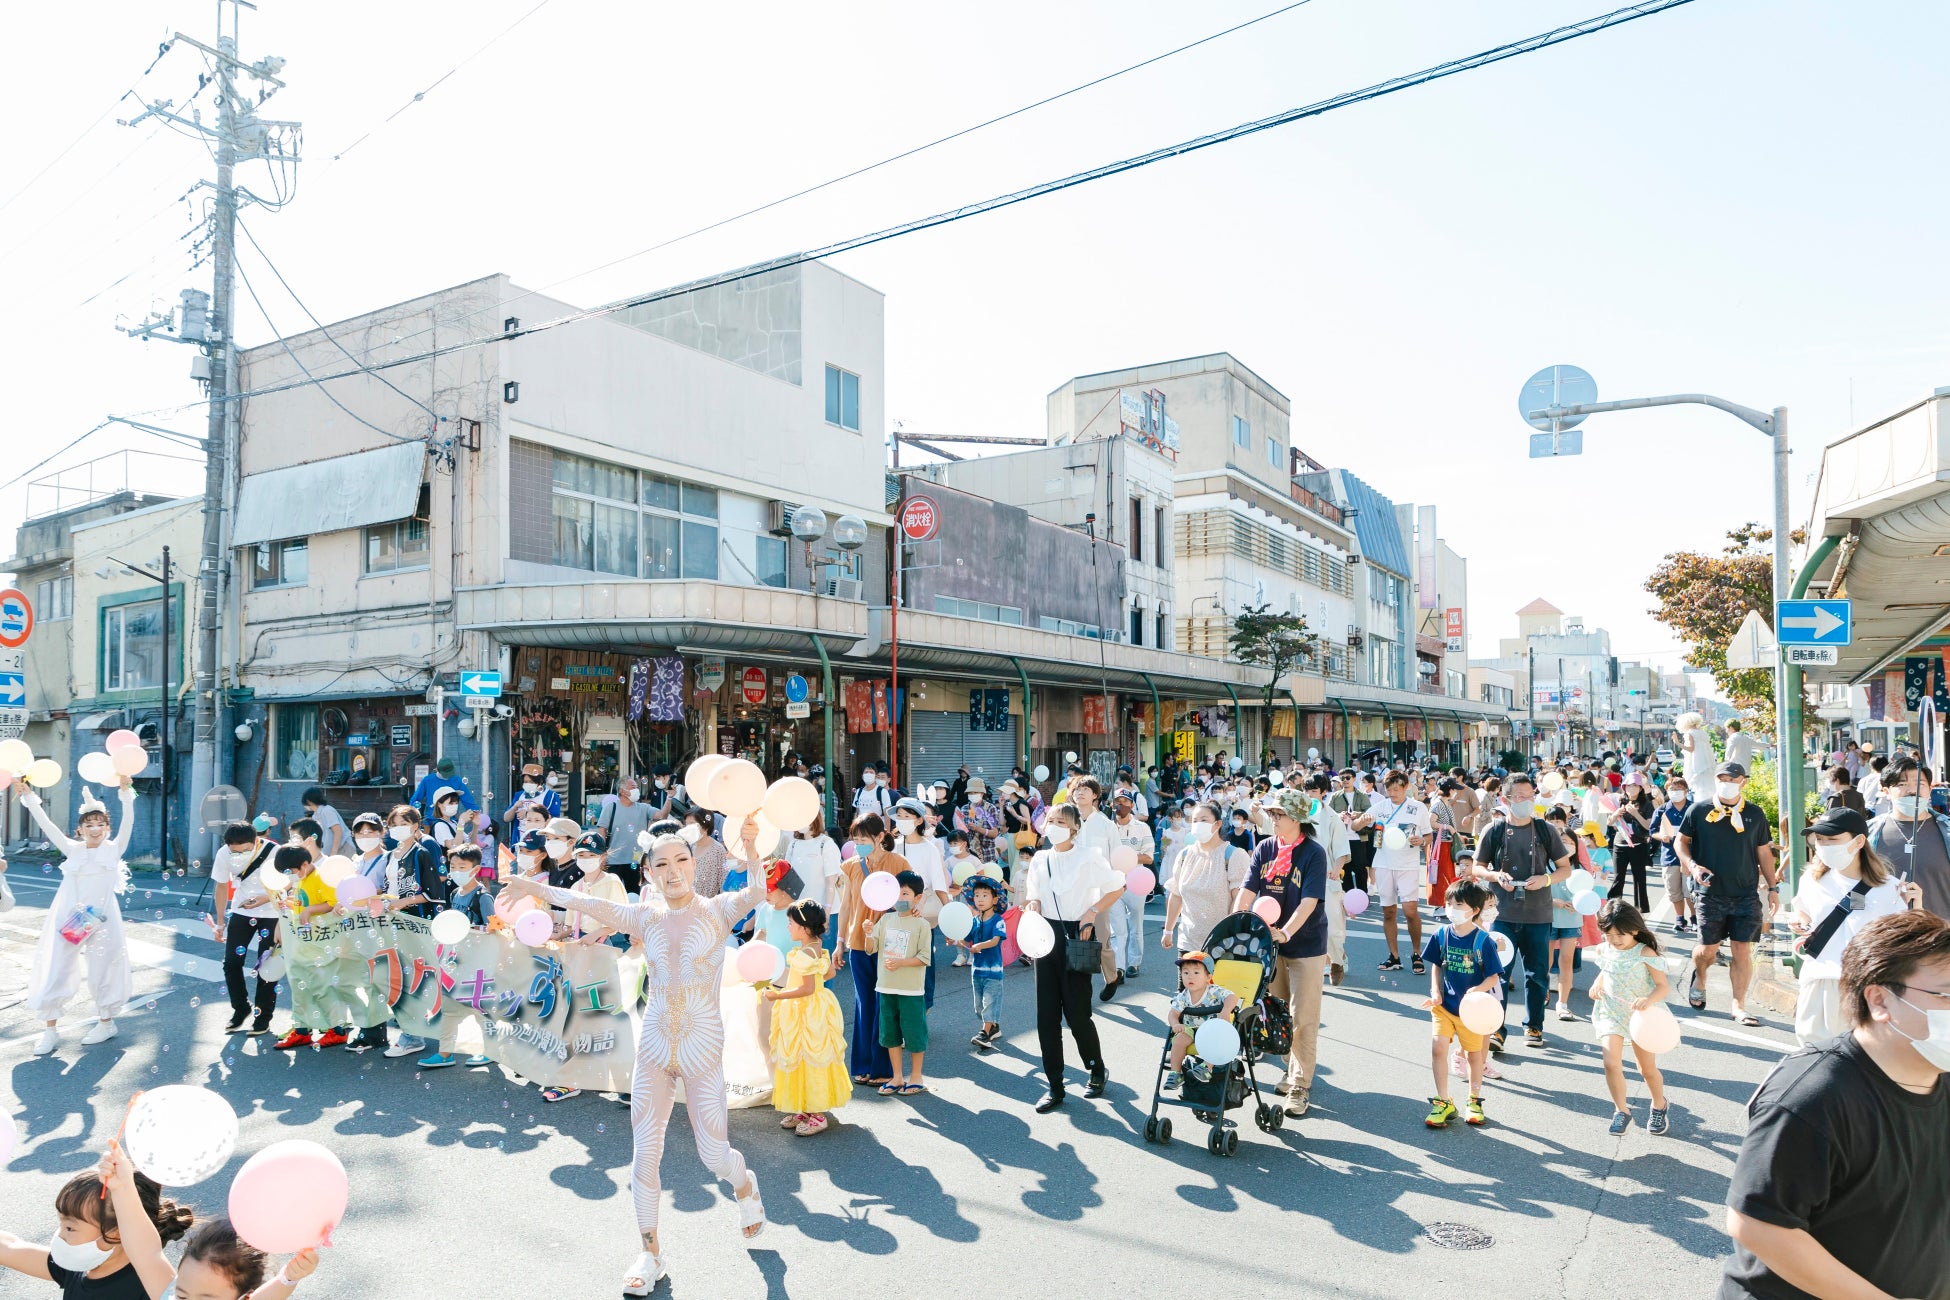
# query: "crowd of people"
[[1480, 867]]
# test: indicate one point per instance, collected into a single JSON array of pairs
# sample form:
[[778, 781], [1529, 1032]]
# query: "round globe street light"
[[849, 532], [809, 524]]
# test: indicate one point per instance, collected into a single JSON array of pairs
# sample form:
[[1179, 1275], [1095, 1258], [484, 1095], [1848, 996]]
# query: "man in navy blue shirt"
[[1665, 829], [1290, 867], [443, 776]]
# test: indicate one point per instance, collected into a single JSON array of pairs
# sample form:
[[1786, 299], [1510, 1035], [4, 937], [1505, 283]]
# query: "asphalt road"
[[467, 1184]]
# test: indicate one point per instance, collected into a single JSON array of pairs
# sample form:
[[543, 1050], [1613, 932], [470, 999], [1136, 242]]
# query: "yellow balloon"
[[42, 773], [16, 756]]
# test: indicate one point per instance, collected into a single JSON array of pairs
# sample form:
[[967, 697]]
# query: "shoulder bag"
[[1812, 943], [1083, 956]]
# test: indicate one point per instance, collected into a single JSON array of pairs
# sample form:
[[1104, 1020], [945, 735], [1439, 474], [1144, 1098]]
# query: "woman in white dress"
[[1205, 876], [1696, 751], [92, 875]]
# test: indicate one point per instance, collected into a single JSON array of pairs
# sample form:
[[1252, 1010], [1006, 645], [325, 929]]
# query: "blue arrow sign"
[[795, 689], [13, 690], [486, 686], [1813, 622]]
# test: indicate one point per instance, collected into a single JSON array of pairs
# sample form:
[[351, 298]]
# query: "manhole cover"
[[1458, 1236]]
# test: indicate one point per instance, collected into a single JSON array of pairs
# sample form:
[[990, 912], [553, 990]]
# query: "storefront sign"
[[798, 709], [1452, 629], [1184, 746], [919, 519], [728, 741], [755, 685], [710, 674], [402, 735], [422, 710]]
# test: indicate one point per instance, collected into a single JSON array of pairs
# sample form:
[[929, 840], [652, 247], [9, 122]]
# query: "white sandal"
[[648, 1267], [751, 1210]]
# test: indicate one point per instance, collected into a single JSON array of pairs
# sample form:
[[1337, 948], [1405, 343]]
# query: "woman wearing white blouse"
[[1070, 887]]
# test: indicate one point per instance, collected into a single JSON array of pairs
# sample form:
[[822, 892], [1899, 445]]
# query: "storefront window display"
[[371, 742]]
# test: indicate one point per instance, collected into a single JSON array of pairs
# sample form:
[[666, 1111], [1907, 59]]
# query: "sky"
[[1738, 197]]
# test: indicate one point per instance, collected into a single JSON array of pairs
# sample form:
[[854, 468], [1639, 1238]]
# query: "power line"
[[1407, 81], [87, 130], [387, 120]]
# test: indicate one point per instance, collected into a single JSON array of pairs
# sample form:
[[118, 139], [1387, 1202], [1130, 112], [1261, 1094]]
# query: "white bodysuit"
[[88, 876], [683, 1033]]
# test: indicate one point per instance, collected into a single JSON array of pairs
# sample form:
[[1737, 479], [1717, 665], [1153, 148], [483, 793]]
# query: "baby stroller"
[[1241, 948]]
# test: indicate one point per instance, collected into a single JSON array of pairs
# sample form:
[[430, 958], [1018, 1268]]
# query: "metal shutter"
[[938, 743]]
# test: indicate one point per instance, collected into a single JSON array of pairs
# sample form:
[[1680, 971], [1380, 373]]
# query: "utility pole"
[[1530, 685], [239, 136]]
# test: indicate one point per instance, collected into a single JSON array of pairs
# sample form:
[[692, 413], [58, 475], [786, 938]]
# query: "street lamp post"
[[1543, 407], [162, 752]]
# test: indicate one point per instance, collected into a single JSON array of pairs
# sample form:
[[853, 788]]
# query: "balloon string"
[[121, 1129]]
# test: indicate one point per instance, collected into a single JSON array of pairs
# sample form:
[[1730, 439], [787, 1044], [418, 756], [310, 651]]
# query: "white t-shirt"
[[817, 860], [1817, 898], [879, 800], [1066, 885], [1136, 834], [1098, 833], [924, 860], [1411, 817], [327, 817], [226, 866], [1333, 835]]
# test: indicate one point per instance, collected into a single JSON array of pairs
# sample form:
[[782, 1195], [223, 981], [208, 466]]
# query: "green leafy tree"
[[1275, 641], [1703, 599]]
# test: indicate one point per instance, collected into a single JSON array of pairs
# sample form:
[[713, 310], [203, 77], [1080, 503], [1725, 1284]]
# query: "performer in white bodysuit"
[[92, 874], [683, 1033]]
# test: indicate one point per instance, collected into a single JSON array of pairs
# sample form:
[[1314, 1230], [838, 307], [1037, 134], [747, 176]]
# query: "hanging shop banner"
[[710, 674], [1184, 746], [557, 1015]]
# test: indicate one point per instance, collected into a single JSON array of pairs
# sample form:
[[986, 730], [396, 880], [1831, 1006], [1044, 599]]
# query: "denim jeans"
[[988, 998], [1532, 943]]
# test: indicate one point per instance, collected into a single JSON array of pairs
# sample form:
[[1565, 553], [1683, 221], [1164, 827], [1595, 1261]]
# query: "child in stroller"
[[1198, 1000]]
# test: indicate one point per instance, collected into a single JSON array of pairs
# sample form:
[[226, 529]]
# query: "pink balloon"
[[1480, 1012], [130, 760], [1267, 910], [1355, 902], [534, 928], [758, 961], [509, 907], [1124, 858], [1654, 1029], [1139, 881], [121, 740], [880, 891], [6, 779], [354, 889], [289, 1197]]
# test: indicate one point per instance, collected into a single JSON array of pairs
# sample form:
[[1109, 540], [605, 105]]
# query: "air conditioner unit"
[[1355, 640], [1353, 559], [778, 517], [840, 588]]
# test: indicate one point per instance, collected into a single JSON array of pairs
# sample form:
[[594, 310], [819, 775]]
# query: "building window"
[[1161, 637], [280, 564], [771, 562], [402, 544], [132, 646], [54, 599], [612, 519], [1158, 538], [295, 742], [1273, 453], [1242, 433], [1137, 626], [843, 398], [978, 609], [1071, 628], [1137, 530]]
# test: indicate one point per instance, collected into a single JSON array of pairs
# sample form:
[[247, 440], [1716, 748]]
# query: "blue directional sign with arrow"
[[479, 690], [1813, 622]]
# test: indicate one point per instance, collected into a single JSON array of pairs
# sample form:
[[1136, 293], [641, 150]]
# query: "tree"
[[1703, 599], [1276, 642]]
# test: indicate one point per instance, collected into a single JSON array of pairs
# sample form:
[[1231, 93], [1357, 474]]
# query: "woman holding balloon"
[[1064, 898], [84, 922], [873, 855]]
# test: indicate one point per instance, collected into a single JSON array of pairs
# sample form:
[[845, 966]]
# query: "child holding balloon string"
[[1631, 978], [114, 1224], [808, 1035], [1463, 960]]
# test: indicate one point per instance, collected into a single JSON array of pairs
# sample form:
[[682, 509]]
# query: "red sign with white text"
[[754, 685], [919, 519]]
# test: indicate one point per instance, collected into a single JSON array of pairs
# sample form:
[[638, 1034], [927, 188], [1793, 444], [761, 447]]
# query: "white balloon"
[[1217, 1041], [16, 756], [1041, 773], [697, 778], [1506, 952], [1313, 754], [738, 788], [956, 920], [1579, 880], [1480, 1012], [272, 968], [450, 927], [791, 803], [1394, 838], [1655, 1029], [1070, 756], [1587, 903], [97, 768], [1035, 936], [180, 1135], [765, 845]]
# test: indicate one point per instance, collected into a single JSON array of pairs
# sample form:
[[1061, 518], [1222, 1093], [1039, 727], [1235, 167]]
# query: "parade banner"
[[557, 1015]]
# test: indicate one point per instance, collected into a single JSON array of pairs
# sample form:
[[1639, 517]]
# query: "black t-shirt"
[[1732, 856], [1836, 1148], [1506, 846], [122, 1284], [1307, 879]]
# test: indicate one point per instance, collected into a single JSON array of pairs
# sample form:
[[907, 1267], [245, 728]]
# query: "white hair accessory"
[[90, 804]]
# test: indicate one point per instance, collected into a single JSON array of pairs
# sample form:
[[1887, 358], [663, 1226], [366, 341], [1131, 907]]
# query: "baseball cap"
[[534, 842], [1840, 821], [1197, 958], [1732, 770], [592, 842], [562, 828], [780, 875]]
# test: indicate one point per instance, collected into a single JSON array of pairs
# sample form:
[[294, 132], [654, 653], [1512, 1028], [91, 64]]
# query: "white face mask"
[[975, 799], [1908, 805], [1728, 791], [1835, 856], [1677, 796], [1458, 914], [590, 865], [1058, 835], [530, 789], [463, 880], [1933, 1047], [867, 779], [77, 1258], [556, 848], [905, 825], [366, 843], [1201, 832], [663, 782]]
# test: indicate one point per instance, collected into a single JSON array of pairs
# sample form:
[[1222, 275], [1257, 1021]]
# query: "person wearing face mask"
[[1911, 837], [1846, 886], [1290, 867], [873, 795], [873, 850], [86, 907], [1205, 876], [980, 821], [621, 823], [535, 792], [1072, 885], [1327, 827], [925, 859], [415, 882], [1841, 1187], [661, 796], [1665, 832], [114, 1224], [1727, 848]]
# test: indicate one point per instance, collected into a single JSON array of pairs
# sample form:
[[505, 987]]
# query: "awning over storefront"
[[329, 496]]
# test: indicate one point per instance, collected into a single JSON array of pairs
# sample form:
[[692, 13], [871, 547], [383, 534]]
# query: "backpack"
[[1497, 838]]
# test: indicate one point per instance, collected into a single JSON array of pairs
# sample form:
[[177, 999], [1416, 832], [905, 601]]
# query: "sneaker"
[[438, 1061], [1283, 1087], [332, 1038], [261, 1025], [790, 1121], [1496, 1041], [1336, 973], [1564, 1012], [1297, 1102], [1659, 1123], [1458, 1064], [1620, 1121], [1202, 1071], [981, 1039], [294, 1040], [46, 1043], [1416, 966], [1489, 1070], [101, 1033], [237, 1019], [479, 1058], [1392, 963], [1441, 1111], [403, 1049], [1173, 1081], [1473, 1111], [1533, 1038], [960, 959]]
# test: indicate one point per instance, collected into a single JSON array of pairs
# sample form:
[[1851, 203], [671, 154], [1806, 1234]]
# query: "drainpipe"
[[1157, 719], [830, 808], [1787, 732], [1028, 706]]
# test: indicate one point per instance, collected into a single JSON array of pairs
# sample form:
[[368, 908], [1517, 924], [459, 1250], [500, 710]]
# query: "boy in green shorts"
[[905, 944]]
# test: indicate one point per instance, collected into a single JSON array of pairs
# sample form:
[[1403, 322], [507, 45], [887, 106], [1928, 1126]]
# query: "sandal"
[[562, 1094], [1749, 1019], [641, 1279], [1695, 996], [751, 1211], [889, 1088], [813, 1124], [910, 1089]]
